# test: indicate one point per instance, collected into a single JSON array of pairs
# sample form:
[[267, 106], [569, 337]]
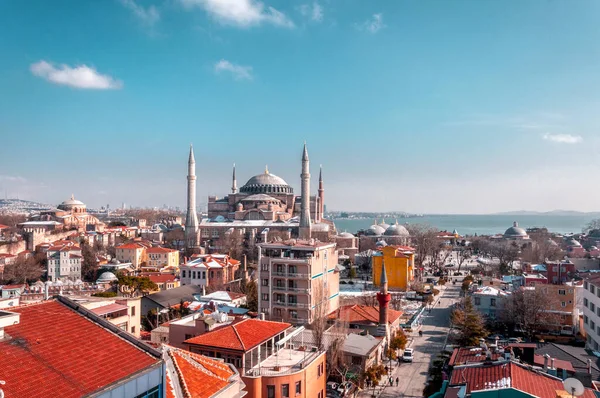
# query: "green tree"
[[251, 291], [399, 341], [135, 284], [352, 273], [469, 324]]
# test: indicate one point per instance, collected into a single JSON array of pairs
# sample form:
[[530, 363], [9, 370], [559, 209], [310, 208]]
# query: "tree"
[[424, 238], [530, 310], [250, 289], [320, 314], [374, 374], [22, 270], [462, 254], [135, 285], [467, 282], [89, 263], [233, 244], [399, 341], [592, 225], [336, 365], [352, 272], [469, 324]]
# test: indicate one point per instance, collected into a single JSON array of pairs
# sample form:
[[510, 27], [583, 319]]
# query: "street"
[[435, 327]]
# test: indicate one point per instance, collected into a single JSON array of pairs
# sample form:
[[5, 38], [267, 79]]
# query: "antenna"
[[574, 386]]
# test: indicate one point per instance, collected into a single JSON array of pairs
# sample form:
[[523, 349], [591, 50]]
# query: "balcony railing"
[[297, 275], [298, 305], [299, 289], [278, 273]]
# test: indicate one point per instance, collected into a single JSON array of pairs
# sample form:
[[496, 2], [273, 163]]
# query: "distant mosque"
[[265, 208]]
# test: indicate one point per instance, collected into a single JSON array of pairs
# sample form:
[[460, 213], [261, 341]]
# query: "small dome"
[[345, 235], [106, 277], [219, 219], [396, 230], [383, 224], [381, 243], [574, 243], [515, 231], [375, 230]]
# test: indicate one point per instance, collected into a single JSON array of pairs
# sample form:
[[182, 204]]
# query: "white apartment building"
[[64, 261], [292, 276], [591, 311]]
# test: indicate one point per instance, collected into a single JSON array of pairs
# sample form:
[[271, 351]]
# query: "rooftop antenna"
[[573, 386]]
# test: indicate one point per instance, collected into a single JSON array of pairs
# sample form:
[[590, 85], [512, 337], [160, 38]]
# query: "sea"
[[479, 224]]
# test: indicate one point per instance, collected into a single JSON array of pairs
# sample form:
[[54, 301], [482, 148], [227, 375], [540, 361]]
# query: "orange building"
[[399, 265], [134, 253], [269, 364]]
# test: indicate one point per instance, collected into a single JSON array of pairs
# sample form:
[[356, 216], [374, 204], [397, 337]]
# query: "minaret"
[[383, 297], [304, 232], [191, 220], [321, 194], [234, 182]]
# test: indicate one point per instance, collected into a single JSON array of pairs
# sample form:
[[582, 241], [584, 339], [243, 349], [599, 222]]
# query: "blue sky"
[[423, 106]]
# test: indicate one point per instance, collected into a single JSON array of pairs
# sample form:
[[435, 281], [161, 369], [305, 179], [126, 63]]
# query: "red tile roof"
[[363, 314], [108, 309], [241, 335], [558, 363], [161, 278], [131, 246], [535, 383], [197, 375], [67, 354], [2, 226], [465, 355], [159, 250]]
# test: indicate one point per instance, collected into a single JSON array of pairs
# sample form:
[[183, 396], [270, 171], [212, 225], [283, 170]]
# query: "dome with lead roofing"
[[515, 231], [396, 230], [375, 230], [266, 183]]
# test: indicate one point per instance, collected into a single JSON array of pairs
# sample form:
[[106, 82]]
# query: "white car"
[[408, 355]]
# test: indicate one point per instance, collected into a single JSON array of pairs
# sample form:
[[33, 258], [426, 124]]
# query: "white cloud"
[[12, 178], [241, 13], [80, 76], [239, 72], [373, 24], [148, 15], [314, 11], [563, 138]]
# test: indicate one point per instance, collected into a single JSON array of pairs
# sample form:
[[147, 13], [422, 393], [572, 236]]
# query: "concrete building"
[[488, 300], [209, 270], [591, 310], [362, 352], [124, 313], [134, 253], [294, 277], [347, 246], [64, 261], [160, 257], [399, 263], [168, 298]]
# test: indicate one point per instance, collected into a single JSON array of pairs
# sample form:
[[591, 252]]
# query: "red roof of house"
[[362, 314], [163, 278], [7, 255], [160, 250], [108, 309], [131, 246], [198, 376], [465, 355], [242, 335], [558, 363], [2, 226], [532, 382], [56, 352], [10, 287]]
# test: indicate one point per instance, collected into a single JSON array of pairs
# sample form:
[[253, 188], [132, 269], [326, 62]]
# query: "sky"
[[462, 106]]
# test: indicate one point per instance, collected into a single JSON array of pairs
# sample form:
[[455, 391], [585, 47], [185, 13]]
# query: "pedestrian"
[[397, 381], [391, 382]]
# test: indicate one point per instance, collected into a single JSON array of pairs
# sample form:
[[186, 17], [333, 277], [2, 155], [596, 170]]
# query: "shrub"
[[436, 292], [105, 294]]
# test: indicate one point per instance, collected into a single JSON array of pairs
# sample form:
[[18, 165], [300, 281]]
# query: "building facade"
[[209, 270], [160, 257], [134, 253], [399, 263], [64, 261], [295, 277]]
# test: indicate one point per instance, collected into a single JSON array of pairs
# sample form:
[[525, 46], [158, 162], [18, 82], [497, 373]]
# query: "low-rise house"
[[535, 279], [9, 291], [124, 313], [160, 257], [488, 300], [361, 352], [163, 281], [168, 298], [209, 270], [133, 252], [64, 261], [366, 318], [224, 297], [559, 272]]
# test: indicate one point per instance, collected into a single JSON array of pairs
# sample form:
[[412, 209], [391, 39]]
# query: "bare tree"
[[23, 269], [530, 310], [593, 224], [462, 255], [233, 244], [336, 363], [542, 248], [424, 238], [320, 314]]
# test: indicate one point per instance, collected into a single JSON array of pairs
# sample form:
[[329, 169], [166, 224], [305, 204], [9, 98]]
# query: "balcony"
[[299, 289], [278, 273], [297, 275], [298, 305], [279, 288]]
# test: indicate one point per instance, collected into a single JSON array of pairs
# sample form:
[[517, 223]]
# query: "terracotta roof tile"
[[465, 355], [363, 314], [131, 246], [242, 335], [66, 353], [159, 250]]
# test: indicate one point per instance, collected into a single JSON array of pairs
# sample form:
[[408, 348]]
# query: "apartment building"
[[591, 310], [64, 261], [134, 253], [160, 257], [295, 277]]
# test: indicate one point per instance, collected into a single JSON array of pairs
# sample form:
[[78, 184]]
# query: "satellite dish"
[[574, 387]]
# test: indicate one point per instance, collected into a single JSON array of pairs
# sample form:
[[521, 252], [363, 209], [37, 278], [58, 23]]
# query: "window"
[[188, 336], [585, 285], [193, 274], [265, 297], [356, 360], [562, 292], [265, 282], [183, 274], [493, 302], [298, 387], [563, 304], [598, 311], [270, 391], [477, 300], [592, 325], [320, 370], [592, 307], [264, 267], [585, 302], [203, 274], [133, 330], [212, 274], [285, 390], [132, 311], [555, 269], [585, 319]]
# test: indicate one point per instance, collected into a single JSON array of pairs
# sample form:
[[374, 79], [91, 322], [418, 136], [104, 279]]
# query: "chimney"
[[203, 290], [546, 357], [46, 293], [589, 366], [552, 363], [262, 316]]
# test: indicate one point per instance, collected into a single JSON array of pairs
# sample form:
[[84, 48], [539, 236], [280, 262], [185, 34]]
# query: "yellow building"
[[399, 266], [134, 253], [160, 257]]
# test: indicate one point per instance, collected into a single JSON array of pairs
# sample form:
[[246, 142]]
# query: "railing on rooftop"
[[258, 371]]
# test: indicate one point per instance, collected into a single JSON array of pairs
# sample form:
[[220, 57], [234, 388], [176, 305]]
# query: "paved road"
[[413, 376]]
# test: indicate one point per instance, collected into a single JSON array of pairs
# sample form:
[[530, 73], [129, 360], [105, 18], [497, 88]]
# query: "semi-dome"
[[396, 230], [515, 231], [381, 243], [266, 183], [345, 235], [106, 277], [375, 230]]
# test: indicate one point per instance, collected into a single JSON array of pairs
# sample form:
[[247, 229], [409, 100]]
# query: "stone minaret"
[[191, 220], [234, 182], [321, 194], [304, 232], [383, 297]]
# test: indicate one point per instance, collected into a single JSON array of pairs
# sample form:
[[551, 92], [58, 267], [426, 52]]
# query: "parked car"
[[408, 355], [345, 389], [449, 265], [515, 340]]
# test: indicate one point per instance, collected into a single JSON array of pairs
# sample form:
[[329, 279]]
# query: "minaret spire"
[[321, 194], [191, 220], [305, 225], [383, 297], [234, 182]]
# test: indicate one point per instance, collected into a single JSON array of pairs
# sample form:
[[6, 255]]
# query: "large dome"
[[106, 277], [375, 230], [266, 183], [515, 231], [70, 203], [396, 230]]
